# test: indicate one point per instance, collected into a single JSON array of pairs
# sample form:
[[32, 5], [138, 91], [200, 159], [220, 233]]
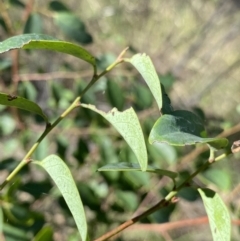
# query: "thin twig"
[[197, 151], [159, 228]]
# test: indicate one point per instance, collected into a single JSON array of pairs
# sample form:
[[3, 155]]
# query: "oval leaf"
[[145, 67], [127, 124], [41, 41], [218, 215], [126, 166], [182, 128], [62, 176], [21, 103]]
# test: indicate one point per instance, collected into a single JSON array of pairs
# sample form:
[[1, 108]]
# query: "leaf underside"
[[145, 67], [218, 215], [62, 176], [127, 124], [126, 166]]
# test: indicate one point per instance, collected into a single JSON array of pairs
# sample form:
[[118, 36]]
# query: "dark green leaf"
[[3, 24], [126, 166], [73, 27], [143, 97], [58, 6], [81, 150], [115, 95], [21, 103], [189, 193], [33, 24], [182, 128], [218, 215], [17, 3], [166, 102], [41, 41], [62, 176]]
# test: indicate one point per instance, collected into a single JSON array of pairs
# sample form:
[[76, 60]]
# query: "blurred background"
[[194, 46]]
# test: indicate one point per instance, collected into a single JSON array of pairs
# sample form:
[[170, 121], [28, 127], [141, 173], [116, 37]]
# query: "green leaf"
[[126, 166], [33, 24], [12, 233], [21, 103], [182, 128], [143, 97], [127, 124], [144, 65], [41, 41], [62, 176], [126, 200], [17, 3], [220, 177], [115, 95], [1, 221], [45, 234], [166, 105], [58, 6], [218, 215], [73, 27]]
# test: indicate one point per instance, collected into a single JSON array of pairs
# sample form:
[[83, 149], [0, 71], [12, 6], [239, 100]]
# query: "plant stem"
[[49, 127], [27, 159], [163, 203]]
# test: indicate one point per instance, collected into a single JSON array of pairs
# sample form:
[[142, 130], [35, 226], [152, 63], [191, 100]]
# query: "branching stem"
[[49, 127], [163, 203]]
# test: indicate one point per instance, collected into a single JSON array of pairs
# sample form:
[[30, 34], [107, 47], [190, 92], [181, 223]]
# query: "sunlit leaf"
[[127, 124], [126, 166], [182, 128], [144, 65], [218, 215], [41, 41], [21, 103], [62, 176]]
